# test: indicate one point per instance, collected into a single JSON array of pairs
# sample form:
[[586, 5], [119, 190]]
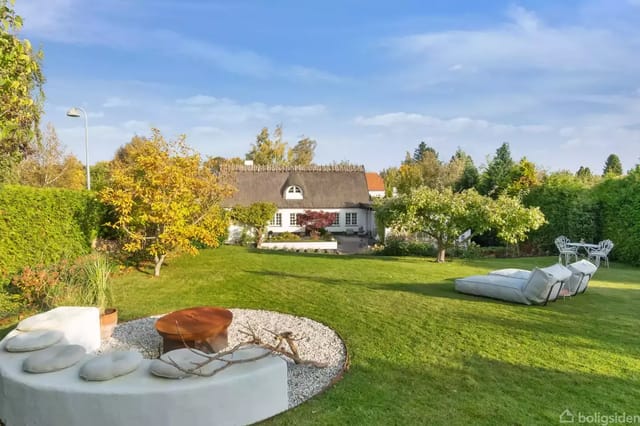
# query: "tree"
[[100, 175], [612, 167], [421, 150], [470, 176], [442, 215], [512, 221], [256, 216], [584, 173], [165, 199], [302, 154], [445, 215], [21, 94], [216, 164], [315, 222], [499, 173], [267, 151], [47, 165], [525, 177]]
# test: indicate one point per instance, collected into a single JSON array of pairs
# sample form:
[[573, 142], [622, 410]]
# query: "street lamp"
[[75, 112]]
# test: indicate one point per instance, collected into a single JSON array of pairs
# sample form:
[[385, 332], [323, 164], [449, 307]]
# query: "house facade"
[[337, 189]]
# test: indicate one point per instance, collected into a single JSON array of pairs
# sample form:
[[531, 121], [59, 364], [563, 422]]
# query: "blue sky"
[[369, 80]]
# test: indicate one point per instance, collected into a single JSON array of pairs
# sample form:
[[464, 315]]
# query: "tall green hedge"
[[570, 207], [609, 209], [43, 225], [619, 215]]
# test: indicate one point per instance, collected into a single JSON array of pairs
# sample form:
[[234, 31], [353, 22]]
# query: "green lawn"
[[420, 352]]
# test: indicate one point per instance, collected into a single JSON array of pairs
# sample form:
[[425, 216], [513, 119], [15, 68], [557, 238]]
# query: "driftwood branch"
[[284, 345]]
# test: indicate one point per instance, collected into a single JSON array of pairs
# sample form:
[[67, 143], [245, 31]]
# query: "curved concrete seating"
[[539, 286], [241, 394]]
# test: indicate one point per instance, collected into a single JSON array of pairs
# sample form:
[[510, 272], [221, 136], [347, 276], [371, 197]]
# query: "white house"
[[338, 189]]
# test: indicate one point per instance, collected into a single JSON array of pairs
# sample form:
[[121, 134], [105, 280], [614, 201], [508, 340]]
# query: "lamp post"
[[75, 112]]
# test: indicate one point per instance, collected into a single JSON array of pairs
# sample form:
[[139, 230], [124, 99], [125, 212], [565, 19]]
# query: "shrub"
[[45, 225], [402, 246], [44, 287], [285, 236]]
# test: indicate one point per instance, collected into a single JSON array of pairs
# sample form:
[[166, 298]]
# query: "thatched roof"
[[323, 187]]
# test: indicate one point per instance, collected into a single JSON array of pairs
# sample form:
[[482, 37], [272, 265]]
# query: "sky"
[[368, 80]]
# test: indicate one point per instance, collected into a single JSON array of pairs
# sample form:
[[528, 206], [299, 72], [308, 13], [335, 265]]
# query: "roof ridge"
[[284, 168]]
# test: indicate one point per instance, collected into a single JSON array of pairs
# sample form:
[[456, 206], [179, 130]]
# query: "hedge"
[[610, 209], [44, 225], [619, 215]]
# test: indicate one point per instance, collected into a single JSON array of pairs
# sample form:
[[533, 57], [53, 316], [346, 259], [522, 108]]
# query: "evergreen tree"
[[499, 174], [613, 166], [470, 176]]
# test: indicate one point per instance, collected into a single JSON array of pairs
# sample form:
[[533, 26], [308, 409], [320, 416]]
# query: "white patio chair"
[[602, 252], [565, 250]]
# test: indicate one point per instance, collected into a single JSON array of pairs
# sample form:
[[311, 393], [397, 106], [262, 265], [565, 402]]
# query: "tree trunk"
[[441, 253], [258, 238], [159, 260]]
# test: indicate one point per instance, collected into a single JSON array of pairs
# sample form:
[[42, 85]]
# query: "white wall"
[[364, 220]]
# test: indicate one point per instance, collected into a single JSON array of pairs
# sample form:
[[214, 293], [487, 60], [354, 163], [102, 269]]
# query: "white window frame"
[[277, 220], [336, 221], [293, 219], [351, 218], [294, 192]]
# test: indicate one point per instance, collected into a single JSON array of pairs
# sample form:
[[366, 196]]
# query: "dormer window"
[[294, 192]]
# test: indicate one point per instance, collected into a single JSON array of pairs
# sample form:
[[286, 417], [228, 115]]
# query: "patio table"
[[586, 246]]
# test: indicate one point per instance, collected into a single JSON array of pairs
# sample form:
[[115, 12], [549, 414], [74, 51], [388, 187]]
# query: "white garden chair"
[[564, 250], [602, 252]]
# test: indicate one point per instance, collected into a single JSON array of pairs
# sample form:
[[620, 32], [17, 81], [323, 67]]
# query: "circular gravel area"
[[317, 343]]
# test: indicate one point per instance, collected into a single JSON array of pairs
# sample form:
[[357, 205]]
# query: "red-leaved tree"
[[314, 221]]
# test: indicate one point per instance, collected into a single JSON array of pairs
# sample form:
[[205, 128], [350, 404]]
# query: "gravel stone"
[[317, 343]]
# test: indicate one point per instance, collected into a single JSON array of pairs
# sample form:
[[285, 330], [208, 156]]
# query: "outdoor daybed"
[[539, 286]]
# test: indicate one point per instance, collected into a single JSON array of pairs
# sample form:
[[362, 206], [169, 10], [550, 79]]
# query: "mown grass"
[[420, 352]]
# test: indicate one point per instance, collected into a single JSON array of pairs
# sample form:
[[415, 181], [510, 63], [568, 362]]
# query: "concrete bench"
[[241, 394]]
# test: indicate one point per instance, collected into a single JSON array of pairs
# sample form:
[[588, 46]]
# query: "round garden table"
[[200, 328]]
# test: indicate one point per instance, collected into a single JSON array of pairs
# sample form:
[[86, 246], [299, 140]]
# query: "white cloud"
[[523, 42], [115, 102], [77, 22], [227, 110]]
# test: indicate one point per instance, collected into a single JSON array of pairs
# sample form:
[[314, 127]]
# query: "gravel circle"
[[317, 343]]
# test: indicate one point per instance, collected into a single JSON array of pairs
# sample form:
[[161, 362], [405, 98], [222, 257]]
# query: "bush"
[[11, 304], [470, 251], [285, 236], [44, 287], [401, 246], [44, 225]]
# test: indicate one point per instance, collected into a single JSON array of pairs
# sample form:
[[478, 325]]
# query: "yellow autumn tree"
[[165, 199]]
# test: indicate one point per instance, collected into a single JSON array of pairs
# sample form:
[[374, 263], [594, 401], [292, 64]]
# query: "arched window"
[[293, 192]]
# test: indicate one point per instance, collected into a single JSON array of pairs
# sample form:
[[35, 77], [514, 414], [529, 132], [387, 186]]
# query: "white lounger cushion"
[[521, 274], [33, 340], [516, 285], [53, 359], [494, 286], [582, 271], [111, 365]]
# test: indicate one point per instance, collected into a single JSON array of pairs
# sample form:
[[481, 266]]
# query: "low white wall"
[[301, 245]]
